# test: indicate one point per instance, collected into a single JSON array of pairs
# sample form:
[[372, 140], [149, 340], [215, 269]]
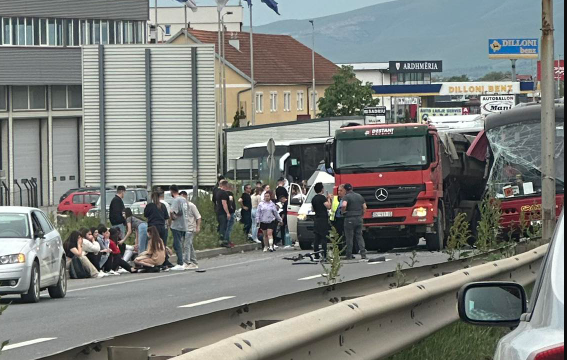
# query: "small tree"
[[496, 76], [462, 78], [240, 115], [348, 96]]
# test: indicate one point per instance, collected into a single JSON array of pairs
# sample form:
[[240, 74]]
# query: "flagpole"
[[186, 27], [220, 127], [252, 81]]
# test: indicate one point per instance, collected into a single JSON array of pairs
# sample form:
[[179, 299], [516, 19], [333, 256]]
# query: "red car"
[[78, 203]]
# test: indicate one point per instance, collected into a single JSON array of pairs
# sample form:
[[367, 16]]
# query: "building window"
[[66, 97], [3, 98], [29, 32], [28, 97], [59, 97], [273, 101], [259, 103], [6, 33], [316, 100], [287, 101], [43, 31], [20, 99], [300, 101], [167, 30], [104, 30], [37, 98]]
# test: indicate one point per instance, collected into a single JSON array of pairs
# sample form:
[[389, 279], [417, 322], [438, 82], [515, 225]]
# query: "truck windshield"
[[381, 153], [517, 159]]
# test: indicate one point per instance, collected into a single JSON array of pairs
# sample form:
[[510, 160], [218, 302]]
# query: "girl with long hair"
[[154, 256], [74, 249], [268, 218]]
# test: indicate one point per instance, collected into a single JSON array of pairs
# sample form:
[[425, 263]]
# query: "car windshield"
[[329, 187], [14, 226], [517, 159], [382, 153], [129, 198]]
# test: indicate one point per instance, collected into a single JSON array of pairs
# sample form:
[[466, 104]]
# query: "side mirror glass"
[[40, 235], [492, 304]]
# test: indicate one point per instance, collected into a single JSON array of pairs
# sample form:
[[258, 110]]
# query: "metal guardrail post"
[[20, 188], [3, 197], [25, 182], [35, 193]]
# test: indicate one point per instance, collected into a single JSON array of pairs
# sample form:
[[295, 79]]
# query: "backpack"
[[77, 270]]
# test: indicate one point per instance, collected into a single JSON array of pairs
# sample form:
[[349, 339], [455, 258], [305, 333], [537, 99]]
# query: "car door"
[[78, 204], [294, 204], [52, 243]]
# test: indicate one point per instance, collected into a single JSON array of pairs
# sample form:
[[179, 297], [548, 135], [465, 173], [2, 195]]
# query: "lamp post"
[[224, 68], [314, 98]]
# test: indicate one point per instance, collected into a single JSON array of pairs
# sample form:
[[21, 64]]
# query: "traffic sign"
[[513, 48]]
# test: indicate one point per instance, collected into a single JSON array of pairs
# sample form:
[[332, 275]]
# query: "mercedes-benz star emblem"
[[382, 194]]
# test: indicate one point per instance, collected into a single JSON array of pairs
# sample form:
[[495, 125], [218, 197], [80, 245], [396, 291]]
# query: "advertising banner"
[[559, 70], [496, 104], [426, 113], [480, 88], [375, 115], [513, 48], [416, 66]]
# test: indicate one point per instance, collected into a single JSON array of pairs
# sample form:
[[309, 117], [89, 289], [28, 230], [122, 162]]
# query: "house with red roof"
[[282, 71]]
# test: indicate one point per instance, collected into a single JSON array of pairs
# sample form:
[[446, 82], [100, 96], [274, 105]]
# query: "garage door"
[[27, 157], [65, 156]]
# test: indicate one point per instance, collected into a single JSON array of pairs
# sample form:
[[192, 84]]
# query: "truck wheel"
[[436, 242], [306, 246]]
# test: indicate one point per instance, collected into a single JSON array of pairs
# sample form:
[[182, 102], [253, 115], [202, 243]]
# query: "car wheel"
[[34, 290], [60, 289]]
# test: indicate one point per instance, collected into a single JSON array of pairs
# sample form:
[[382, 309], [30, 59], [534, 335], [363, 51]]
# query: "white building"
[[171, 19], [375, 73]]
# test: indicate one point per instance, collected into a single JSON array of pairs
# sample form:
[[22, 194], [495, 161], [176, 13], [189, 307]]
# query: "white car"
[[32, 258], [540, 332]]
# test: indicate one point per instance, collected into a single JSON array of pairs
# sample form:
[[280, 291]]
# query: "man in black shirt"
[[246, 204], [116, 211], [321, 206], [282, 195], [354, 207], [223, 211]]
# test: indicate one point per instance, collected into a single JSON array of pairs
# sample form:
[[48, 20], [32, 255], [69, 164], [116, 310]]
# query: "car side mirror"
[[296, 202], [40, 235], [498, 304], [93, 203]]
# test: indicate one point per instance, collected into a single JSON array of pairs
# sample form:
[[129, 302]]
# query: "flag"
[[272, 4], [189, 3], [221, 4]]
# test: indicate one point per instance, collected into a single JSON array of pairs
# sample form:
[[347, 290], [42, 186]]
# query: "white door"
[[65, 156], [27, 158], [294, 204]]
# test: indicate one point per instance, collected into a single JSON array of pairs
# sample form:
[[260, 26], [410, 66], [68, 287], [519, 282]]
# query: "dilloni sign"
[[513, 48], [480, 88]]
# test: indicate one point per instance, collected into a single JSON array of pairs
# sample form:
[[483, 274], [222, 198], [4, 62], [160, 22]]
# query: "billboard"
[[559, 70], [480, 88], [426, 113], [513, 48], [375, 115], [496, 104], [416, 66]]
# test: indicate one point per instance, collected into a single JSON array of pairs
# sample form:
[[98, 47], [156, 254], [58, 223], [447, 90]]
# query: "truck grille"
[[397, 196]]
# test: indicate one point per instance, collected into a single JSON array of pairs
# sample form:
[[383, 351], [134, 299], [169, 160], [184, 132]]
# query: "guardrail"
[[371, 327], [201, 331]]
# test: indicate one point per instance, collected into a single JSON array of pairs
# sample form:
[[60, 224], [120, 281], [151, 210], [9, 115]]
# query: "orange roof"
[[278, 59]]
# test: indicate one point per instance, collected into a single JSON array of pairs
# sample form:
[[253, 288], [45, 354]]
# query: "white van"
[[300, 212]]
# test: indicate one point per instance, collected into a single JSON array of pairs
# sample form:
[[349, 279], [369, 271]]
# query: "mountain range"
[[455, 31]]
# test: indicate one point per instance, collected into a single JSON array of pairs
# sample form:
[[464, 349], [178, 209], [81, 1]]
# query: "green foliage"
[[67, 225], [334, 257], [488, 229], [348, 96], [496, 76], [240, 115], [458, 237], [3, 344], [462, 78], [413, 259]]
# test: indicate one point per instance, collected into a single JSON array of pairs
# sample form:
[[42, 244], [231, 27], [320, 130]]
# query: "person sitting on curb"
[[91, 248], [151, 259], [74, 249]]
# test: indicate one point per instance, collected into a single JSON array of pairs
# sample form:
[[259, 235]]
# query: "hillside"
[[456, 31]]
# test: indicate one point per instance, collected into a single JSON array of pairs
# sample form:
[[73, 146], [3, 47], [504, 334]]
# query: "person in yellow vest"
[[337, 218]]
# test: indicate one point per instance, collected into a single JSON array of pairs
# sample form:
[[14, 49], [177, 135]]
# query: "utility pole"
[[252, 82], [548, 121], [156, 22], [515, 77], [314, 98], [219, 101]]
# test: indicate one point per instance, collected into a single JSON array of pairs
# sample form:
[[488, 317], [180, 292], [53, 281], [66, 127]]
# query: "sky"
[[290, 9]]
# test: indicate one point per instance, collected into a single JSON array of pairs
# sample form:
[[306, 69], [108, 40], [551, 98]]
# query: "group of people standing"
[[103, 252]]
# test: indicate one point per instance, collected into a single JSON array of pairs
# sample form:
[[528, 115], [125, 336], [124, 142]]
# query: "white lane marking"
[[168, 274], [207, 302], [379, 262], [311, 277], [27, 343]]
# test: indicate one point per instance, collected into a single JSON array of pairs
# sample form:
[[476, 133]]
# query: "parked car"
[[132, 198], [78, 203], [84, 189], [32, 258], [540, 326]]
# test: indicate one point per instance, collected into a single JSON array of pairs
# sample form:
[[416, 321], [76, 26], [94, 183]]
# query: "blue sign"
[[513, 48]]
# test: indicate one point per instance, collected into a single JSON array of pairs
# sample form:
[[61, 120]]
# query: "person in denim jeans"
[[194, 220], [179, 226], [232, 210]]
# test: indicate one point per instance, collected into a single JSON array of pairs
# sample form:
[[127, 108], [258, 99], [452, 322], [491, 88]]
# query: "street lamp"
[[314, 98]]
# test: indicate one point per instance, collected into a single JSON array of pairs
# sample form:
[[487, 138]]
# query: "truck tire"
[[436, 242]]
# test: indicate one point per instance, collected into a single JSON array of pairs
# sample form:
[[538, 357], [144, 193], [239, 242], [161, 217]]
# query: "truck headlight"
[[12, 259], [302, 217], [419, 212]]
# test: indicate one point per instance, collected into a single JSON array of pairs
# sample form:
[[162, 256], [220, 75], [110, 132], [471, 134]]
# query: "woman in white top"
[[91, 248], [256, 200]]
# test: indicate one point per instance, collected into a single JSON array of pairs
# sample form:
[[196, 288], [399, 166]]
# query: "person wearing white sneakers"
[[74, 248], [268, 218], [194, 220]]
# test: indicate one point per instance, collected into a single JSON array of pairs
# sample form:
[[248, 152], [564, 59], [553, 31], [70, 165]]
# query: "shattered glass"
[[517, 159]]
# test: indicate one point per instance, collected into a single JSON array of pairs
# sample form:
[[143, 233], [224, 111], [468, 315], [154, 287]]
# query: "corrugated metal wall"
[[238, 139], [39, 66], [84, 9], [171, 102]]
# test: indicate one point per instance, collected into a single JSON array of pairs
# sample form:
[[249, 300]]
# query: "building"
[[171, 19], [283, 75], [41, 87]]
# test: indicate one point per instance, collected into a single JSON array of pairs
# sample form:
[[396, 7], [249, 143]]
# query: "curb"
[[207, 254]]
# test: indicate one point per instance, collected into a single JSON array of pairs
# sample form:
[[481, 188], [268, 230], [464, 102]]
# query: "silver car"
[[540, 332], [32, 258]]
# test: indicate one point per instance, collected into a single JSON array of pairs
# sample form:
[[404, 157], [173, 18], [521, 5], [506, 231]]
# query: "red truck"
[[414, 178]]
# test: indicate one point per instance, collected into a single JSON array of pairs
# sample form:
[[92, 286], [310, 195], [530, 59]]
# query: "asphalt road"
[[100, 309]]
